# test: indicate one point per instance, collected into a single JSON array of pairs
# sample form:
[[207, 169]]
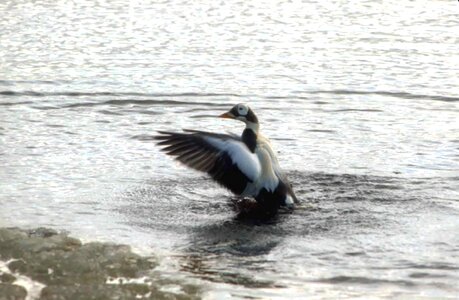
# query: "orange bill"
[[227, 115]]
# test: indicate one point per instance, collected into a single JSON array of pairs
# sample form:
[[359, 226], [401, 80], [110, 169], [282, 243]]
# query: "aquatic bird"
[[246, 165]]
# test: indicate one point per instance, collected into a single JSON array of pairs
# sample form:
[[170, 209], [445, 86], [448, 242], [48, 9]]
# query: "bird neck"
[[255, 127], [249, 137]]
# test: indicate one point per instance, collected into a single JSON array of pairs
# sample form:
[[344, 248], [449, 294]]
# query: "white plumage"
[[247, 162]]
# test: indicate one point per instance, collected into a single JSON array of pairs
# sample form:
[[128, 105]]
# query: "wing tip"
[[163, 135]]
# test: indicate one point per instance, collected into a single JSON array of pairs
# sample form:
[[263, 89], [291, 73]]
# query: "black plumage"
[[191, 149]]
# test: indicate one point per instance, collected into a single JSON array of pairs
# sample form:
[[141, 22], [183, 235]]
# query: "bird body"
[[246, 165]]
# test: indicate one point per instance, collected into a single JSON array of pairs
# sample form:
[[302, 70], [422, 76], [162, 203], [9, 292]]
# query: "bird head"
[[241, 112]]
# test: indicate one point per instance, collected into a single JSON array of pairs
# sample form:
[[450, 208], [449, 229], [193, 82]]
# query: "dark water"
[[359, 99]]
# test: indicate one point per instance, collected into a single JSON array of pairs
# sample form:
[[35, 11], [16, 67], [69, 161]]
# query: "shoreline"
[[43, 263]]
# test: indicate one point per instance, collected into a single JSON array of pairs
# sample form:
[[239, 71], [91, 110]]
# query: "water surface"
[[359, 99]]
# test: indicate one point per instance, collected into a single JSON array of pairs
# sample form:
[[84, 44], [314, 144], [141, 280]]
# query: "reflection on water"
[[359, 99]]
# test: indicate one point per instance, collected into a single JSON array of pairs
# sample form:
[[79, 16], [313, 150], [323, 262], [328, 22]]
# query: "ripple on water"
[[339, 212]]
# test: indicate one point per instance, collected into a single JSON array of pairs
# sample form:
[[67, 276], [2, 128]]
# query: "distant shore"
[[45, 264]]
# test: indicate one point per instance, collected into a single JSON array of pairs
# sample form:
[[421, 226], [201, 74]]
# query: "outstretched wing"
[[224, 157]]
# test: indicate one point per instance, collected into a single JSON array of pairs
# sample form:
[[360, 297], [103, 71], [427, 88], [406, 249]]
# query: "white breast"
[[266, 145], [268, 178]]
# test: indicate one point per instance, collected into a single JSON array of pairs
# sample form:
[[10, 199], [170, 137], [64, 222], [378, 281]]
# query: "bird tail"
[[289, 202]]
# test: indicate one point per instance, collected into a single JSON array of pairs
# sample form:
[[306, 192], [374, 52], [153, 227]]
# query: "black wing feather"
[[191, 149]]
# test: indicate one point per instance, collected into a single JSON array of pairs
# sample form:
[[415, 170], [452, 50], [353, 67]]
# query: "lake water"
[[360, 99]]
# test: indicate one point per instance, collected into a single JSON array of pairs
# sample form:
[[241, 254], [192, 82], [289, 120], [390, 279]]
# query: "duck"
[[246, 165]]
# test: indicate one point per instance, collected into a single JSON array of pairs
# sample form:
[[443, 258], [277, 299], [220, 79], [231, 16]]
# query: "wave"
[[114, 94], [400, 95]]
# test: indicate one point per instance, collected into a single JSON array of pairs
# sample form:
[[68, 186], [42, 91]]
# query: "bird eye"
[[240, 107]]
